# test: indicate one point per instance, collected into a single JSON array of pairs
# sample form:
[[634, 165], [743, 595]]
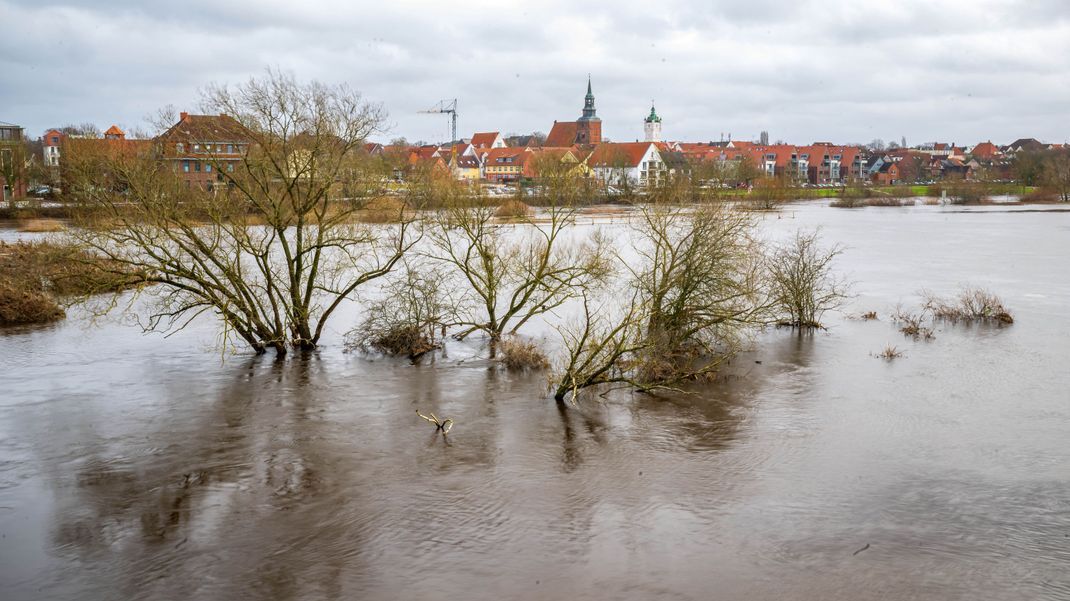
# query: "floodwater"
[[134, 467]]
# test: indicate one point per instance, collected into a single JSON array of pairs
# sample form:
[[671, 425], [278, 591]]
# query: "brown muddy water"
[[134, 467]]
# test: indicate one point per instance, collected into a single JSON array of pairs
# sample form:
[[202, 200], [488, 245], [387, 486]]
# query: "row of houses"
[[201, 147]]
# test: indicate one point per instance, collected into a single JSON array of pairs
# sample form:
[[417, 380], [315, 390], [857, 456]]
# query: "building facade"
[[201, 147], [12, 162], [51, 143], [627, 164]]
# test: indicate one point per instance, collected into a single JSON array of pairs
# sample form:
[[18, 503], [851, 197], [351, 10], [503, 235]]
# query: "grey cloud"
[[839, 70]]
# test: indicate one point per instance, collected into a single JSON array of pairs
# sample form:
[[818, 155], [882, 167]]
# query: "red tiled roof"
[[207, 128], [610, 154], [985, 150], [495, 155], [484, 139], [563, 133]]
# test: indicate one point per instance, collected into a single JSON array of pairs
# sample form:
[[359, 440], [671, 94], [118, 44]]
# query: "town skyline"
[[927, 73]]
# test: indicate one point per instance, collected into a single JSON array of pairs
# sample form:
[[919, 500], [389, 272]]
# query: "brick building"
[[201, 147], [12, 162], [587, 130]]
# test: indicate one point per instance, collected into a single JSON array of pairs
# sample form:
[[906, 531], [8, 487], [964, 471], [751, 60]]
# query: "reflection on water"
[[132, 467]]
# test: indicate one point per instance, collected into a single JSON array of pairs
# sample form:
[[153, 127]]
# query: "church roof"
[[563, 133]]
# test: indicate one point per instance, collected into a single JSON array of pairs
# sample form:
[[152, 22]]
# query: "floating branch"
[[445, 424]]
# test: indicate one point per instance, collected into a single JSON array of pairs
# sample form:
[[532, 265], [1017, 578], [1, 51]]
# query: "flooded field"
[[138, 467]]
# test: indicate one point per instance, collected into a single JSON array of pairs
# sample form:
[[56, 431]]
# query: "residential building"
[[630, 163], [50, 147], [201, 147], [12, 161], [507, 165], [464, 168], [587, 130], [491, 139]]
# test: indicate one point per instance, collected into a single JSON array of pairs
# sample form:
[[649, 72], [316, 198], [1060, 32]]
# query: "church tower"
[[652, 125], [589, 126]]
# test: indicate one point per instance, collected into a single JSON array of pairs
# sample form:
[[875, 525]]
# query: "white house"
[[638, 163]]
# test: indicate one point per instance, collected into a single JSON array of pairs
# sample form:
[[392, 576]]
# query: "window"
[[197, 166], [185, 166], [230, 167], [208, 168], [230, 149], [55, 140], [196, 148], [180, 148]]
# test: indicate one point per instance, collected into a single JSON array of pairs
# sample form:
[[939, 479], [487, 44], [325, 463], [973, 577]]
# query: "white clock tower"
[[652, 125]]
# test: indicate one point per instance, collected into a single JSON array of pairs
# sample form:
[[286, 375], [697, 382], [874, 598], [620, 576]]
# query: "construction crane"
[[450, 107]]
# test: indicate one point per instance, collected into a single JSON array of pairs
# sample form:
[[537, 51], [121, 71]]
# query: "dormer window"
[[196, 148], [180, 148]]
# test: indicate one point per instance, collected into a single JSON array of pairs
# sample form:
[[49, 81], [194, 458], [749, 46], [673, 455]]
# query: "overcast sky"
[[842, 71]]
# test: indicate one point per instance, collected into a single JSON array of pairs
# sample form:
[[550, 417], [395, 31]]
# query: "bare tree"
[[599, 350], [516, 270], [699, 283], [696, 295], [408, 317], [271, 250], [803, 284]]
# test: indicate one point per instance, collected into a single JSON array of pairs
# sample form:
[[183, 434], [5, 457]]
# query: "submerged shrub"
[[41, 226], [522, 355], [913, 325], [21, 306], [385, 209], [971, 304], [35, 273], [889, 201], [803, 284], [848, 203], [402, 339], [409, 319], [512, 208], [889, 353]]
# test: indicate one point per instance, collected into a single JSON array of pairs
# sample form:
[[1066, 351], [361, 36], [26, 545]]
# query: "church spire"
[[589, 113]]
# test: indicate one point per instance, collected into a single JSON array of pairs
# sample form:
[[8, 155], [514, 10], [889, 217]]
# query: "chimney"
[[183, 116]]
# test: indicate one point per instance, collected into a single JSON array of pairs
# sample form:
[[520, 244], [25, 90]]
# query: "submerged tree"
[[803, 284], [514, 270], [270, 246], [697, 292]]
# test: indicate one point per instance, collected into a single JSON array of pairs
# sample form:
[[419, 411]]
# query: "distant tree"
[[1057, 172], [877, 145], [85, 130], [747, 171], [1028, 167]]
